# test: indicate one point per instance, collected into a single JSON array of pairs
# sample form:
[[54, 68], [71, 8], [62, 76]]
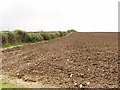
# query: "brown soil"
[[81, 60]]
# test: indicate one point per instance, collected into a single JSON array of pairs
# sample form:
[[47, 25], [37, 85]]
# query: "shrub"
[[40, 37], [64, 33], [35, 37], [60, 33], [46, 36], [57, 34], [54, 35], [21, 36], [72, 30], [68, 31], [4, 39], [8, 38], [11, 37]]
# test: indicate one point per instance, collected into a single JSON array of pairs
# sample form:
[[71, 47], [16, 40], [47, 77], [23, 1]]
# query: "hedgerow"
[[20, 36]]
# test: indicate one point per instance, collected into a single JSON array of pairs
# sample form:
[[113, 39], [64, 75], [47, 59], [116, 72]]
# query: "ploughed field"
[[81, 60]]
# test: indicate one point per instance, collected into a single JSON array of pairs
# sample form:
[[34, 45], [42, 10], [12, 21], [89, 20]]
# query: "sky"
[[59, 15]]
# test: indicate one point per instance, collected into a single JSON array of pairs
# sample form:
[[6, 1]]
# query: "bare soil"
[[81, 60]]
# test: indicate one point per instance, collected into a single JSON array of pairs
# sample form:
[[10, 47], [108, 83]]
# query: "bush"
[[35, 37], [54, 35], [60, 33], [4, 39], [46, 36], [57, 34], [72, 30], [68, 31], [8, 38], [11, 37], [64, 33], [21, 36]]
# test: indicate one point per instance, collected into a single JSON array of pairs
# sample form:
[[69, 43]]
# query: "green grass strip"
[[9, 85]]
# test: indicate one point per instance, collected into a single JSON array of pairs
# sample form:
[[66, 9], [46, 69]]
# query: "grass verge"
[[14, 45], [9, 85]]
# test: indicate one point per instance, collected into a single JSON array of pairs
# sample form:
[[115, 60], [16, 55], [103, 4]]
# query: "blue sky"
[[54, 15]]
